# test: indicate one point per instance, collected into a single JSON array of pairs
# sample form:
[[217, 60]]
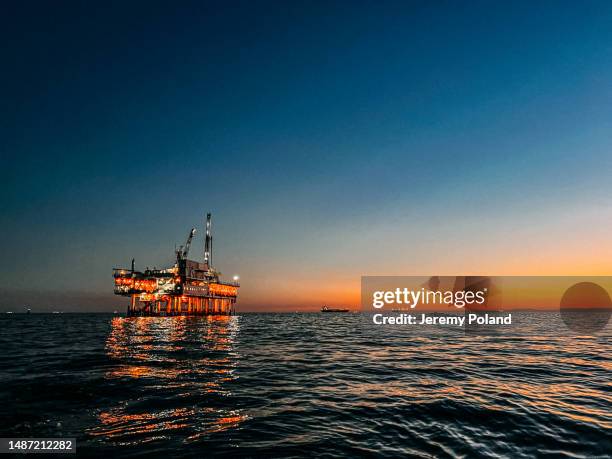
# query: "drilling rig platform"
[[189, 288]]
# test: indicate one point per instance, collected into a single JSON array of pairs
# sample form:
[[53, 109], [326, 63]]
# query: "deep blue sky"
[[330, 140]]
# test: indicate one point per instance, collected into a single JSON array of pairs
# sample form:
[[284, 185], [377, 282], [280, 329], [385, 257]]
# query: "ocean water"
[[325, 385]]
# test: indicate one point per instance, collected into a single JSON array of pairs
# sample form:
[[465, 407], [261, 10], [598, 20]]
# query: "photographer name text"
[[443, 320]]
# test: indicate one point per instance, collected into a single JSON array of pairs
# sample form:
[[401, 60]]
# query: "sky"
[[330, 140]]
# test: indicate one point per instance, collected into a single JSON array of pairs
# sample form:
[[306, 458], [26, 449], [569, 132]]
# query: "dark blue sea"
[[304, 385]]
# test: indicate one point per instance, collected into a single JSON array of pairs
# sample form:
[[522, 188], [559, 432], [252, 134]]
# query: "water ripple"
[[289, 385]]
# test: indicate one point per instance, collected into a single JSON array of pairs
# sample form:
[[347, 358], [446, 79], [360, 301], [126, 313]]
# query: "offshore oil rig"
[[187, 288]]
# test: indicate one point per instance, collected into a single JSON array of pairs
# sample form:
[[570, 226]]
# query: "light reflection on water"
[[185, 360]]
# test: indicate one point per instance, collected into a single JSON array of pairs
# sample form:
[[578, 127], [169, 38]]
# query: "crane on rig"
[[183, 251]]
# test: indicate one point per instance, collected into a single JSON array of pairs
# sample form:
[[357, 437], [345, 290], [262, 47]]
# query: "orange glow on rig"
[[223, 290]]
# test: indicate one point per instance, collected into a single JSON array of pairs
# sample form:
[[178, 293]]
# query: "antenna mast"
[[208, 241]]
